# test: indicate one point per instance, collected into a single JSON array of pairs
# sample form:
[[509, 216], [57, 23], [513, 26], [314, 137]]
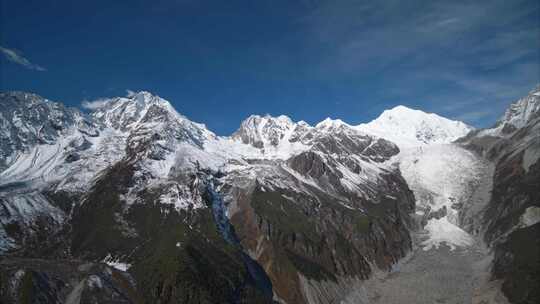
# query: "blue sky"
[[220, 61]]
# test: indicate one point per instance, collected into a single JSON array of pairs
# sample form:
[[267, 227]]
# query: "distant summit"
[[408, 127]]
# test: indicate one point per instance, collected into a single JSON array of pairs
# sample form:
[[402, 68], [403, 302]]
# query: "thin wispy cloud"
[[94, 104], [474, 116], [17, 57], [101, 102]]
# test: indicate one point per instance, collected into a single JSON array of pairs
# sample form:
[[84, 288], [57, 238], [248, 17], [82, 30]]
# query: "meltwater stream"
[[258, 277]]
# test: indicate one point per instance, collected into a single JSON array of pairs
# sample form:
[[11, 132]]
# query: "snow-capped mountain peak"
[[516, 116], [521, 111], [261, 131], [330, 123], [124, 113], [409, 127]]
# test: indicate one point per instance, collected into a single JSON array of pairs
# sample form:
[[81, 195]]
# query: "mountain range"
[[132, 202]]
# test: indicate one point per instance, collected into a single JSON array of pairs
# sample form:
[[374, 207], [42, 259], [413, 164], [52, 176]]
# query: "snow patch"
[[530, 217], [442, 231], [115, 263]]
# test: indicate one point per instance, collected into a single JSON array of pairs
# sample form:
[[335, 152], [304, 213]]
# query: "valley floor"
[[438, 275]]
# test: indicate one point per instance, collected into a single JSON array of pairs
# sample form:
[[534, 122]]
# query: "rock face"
[[510, 223], [280, 211]]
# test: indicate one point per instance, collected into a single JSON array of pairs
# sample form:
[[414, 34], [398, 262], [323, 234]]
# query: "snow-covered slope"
[[408, 128], [272, 137], [143, 113], [45, 142], [77, 147], [27, 120]]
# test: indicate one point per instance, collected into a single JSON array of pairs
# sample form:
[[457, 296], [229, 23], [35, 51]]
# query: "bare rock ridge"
[[135, 203]]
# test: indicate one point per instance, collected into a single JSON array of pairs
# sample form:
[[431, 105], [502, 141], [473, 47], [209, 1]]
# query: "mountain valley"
[[132, 202]]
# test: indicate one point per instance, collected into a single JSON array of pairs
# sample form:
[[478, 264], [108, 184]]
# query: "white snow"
[[409, 128], [47, 162], [442, 231], [181, 197], [530, 217], [330, 123], [115, 263], [274, 134], [439, 176]]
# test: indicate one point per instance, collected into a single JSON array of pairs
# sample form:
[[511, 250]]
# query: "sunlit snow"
[[411, 128], [115, 263], [442, 231], [440, 176]]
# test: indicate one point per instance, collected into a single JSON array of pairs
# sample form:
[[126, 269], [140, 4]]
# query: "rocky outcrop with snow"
[[523, 111], [517, 116]]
